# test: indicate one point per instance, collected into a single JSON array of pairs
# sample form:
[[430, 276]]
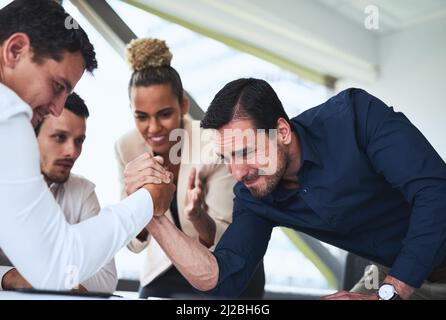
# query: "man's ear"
[[185, 104], [14, 48], [284, 132]]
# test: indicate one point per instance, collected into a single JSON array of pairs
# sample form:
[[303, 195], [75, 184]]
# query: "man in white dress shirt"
[[41, 60], [60, 142]]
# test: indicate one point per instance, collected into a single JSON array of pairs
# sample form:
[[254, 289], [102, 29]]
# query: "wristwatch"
[[388, 292]]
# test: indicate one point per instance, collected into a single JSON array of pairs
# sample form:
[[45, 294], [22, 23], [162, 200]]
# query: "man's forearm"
[[195, 262]]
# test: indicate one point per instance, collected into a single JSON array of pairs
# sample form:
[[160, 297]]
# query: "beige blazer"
[[218, 187]]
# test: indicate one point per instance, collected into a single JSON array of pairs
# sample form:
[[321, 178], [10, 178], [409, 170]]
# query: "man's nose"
[[239, 171], [70, 150], [57, 106]]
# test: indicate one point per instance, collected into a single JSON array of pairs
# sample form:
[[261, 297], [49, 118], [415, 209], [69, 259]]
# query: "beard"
[[56, 177], [272, 180]]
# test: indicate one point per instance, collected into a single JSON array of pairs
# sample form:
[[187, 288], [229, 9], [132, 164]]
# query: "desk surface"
[[14, 295]]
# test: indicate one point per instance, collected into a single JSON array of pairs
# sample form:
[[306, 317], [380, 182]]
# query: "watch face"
[[386, 292]]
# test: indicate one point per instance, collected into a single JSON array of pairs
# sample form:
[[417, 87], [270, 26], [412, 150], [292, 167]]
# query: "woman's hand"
[[194, 202], [196, 211]]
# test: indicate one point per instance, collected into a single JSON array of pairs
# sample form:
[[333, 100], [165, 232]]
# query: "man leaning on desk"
[[40, 63], [351, 172]]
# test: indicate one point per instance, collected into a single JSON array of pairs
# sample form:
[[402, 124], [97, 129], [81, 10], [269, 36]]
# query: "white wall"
[[304, 32], [412, 78]]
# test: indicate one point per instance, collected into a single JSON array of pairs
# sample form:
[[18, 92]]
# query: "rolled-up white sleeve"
[[46, 250], [105, 280]]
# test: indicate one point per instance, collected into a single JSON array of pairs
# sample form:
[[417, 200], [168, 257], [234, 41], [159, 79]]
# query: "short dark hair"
[[246, 97], [44, 22], [75, 104]]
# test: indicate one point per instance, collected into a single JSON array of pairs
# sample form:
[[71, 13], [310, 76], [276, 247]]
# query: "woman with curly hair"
[[202, 205]]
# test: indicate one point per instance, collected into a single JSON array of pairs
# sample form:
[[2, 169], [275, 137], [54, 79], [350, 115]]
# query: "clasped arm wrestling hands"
[[148, 172], [143, 172], [191, 257]]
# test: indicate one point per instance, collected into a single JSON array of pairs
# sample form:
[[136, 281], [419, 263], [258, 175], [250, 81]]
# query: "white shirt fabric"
[[34, 234], [79, 202]]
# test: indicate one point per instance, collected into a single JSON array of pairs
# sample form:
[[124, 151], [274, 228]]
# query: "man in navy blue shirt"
[[351, 172]]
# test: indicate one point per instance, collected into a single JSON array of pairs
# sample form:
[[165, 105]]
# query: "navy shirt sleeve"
[[240, 250], [401, 154]]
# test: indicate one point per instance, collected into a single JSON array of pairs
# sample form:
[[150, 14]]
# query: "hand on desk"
[[345, 295], [14, 280], [80, 289], [404, 291]]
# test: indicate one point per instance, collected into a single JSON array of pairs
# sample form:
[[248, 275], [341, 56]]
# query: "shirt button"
[[305, 190]]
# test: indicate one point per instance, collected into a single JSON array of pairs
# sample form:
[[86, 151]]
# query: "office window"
[[205, 66]]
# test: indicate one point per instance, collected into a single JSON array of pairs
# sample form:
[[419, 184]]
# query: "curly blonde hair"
[[150, 62], [148, 53]]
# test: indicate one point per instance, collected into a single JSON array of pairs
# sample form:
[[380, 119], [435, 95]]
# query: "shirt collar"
[[307, 149], [54, 185], [56, 188]]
